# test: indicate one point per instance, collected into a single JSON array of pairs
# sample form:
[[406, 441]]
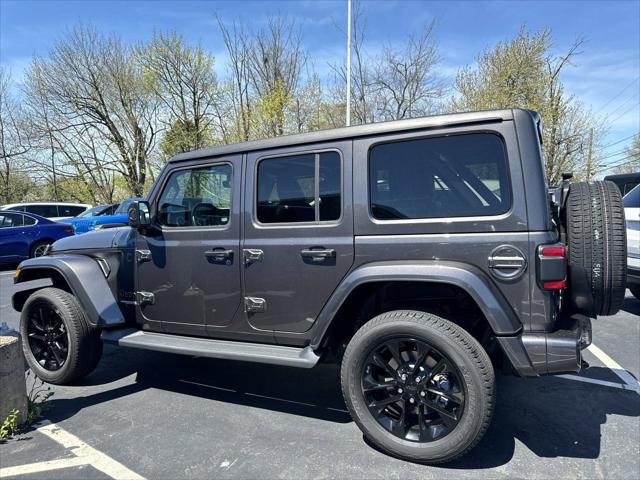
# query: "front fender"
[[494, 306], [85, 279]]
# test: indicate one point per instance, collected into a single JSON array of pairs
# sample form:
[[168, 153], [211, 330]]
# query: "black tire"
[[635, 290], [459, 347], [84, 347], [597, 242], [36, 249]]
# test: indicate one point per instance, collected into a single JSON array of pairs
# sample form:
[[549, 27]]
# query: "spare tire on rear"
[[597, 257]]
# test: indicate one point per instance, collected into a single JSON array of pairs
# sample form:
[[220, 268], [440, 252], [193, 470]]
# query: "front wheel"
[[418, 386], [58, 342]]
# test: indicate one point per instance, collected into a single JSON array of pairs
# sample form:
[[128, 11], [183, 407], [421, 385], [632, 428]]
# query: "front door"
[[298, 241], [189, 261]]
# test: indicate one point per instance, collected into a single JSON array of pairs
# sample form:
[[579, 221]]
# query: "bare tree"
[[406, 81], [276, 59], [93, 81], [14, 143], [238, 87]]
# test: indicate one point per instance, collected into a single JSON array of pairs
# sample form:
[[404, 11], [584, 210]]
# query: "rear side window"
[[454, 176], [299, 188], [8, 220], [70, 210], [43, 210], [29, 220], [197, 197]]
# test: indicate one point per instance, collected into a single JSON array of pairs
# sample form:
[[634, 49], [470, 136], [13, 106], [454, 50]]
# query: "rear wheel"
[[58, 342], [39, 248], [597, 248], [418, 386]]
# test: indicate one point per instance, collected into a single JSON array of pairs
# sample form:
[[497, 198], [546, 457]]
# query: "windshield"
[[124, 206], [632, 199], [92, 212]]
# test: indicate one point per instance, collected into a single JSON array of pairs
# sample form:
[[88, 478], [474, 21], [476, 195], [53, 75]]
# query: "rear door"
[[298, 241], [14, 237]]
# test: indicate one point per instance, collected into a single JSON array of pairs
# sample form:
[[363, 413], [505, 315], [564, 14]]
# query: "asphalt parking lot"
[[166, 416]]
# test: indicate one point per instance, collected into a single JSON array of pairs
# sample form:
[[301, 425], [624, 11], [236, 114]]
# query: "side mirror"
[[138, 214]]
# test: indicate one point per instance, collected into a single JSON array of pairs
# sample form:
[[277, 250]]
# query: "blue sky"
[[606, 75]]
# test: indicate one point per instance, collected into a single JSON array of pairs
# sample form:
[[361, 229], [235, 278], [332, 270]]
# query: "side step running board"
[[206, 347]]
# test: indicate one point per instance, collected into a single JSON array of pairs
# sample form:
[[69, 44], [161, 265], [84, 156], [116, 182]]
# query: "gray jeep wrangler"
[[423, 254]]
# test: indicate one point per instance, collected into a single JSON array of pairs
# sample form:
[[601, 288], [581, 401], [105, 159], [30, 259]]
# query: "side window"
[[28, 220], [70, 210], [196, 197], [8, 220], [454, 176], [299, 188], [43, 210]]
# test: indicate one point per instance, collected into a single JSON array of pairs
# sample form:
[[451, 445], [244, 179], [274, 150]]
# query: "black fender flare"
[[85, 279], [501, 317]]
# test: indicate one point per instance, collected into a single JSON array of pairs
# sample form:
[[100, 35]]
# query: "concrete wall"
[[13, 390]]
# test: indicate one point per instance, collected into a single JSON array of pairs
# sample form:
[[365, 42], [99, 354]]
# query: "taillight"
[[555, 251], [68, 229], [552, 267]]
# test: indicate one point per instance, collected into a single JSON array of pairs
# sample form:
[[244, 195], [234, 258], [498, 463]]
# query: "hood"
[[97, 239]]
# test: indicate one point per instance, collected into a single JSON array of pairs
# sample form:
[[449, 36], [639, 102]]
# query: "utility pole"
[[348, 63], [590, 156]]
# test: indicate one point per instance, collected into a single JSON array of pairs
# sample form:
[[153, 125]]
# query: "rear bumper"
[[533, 354]]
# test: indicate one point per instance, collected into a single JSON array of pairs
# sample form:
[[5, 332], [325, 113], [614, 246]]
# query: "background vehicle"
[[625, 181], [117, 218], [51, 210], [632, 216], [410, 250], [88, 215], [25, 235]]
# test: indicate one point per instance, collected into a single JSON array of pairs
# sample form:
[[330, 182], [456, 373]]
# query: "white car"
[[632, 214], [51, 210]]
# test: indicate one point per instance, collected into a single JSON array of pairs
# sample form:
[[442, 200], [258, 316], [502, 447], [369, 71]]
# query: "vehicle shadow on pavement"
[[285, 389], [552, 417]]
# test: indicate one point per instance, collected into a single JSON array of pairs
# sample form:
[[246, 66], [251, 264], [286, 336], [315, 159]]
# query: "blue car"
[[90, 214], [26, 235], [87, 224]]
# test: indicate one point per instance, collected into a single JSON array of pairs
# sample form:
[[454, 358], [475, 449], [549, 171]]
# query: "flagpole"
[[348, 63]]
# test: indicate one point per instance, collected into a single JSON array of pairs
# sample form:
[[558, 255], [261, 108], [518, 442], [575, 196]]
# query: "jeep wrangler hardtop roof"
[[435, 121]]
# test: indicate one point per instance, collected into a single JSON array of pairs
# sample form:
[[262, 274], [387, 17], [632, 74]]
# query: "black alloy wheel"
[[48, 336], [412, 389]]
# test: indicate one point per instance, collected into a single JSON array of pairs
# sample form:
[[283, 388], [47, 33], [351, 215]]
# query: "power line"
[[617, 95], [621, 105], [625, 112], [615, 143]]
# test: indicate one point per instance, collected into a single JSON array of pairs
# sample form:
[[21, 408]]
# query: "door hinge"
[[145, 298], [255, 304], [143, 256]]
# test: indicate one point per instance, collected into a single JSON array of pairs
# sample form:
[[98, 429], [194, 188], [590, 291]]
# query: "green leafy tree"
[[524, 73]]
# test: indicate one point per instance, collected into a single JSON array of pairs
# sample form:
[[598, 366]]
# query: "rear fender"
[[84, 278], [496, 309]]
